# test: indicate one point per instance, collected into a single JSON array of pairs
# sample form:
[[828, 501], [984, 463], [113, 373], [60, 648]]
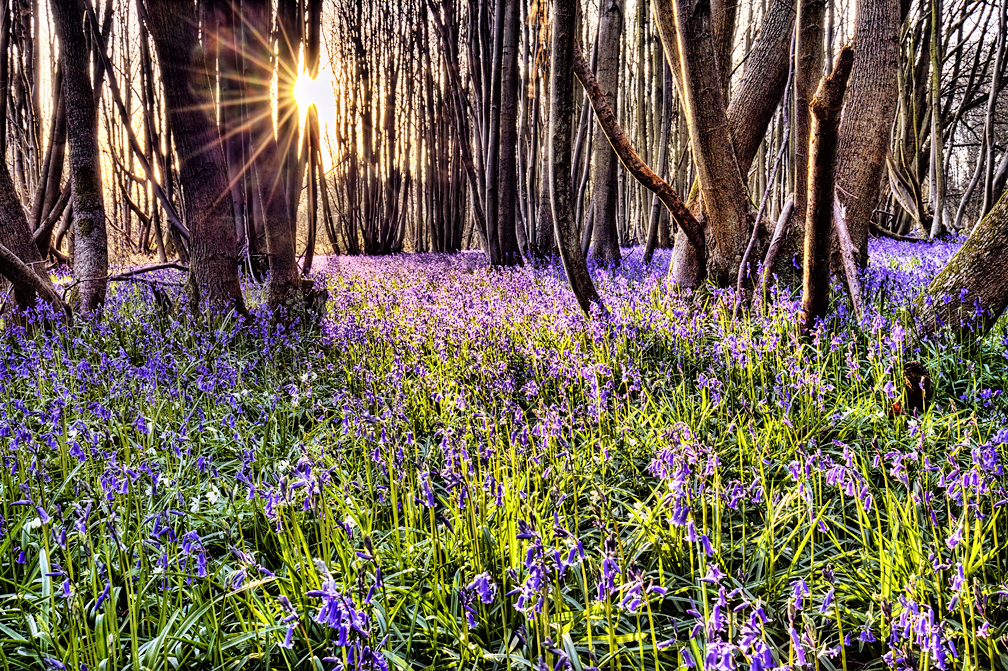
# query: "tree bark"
[[560, 137], [825, 108], [209, 211], [867, 118], [90, 259], [975, 280], [507, 237], [605, 248]]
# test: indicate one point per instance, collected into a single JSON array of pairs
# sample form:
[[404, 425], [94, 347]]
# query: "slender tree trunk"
[[809, 57], [937, 163], [284, 281], [865, 126], [507, 238], [561, 113], [1002, 41], [605, 248], [825, 108], [545, 240], [202, 171], [493, 143], [90, 260]]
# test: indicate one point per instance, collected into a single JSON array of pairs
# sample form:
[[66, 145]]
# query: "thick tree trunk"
[[559, 143], [750, 112], [90, 259], [723, 19], [16, 239], [825, 108], [232, 99], [605, 248], [507, 238], [213, 248], [868, 115], [725, 199], [284, 280], [971, 291]]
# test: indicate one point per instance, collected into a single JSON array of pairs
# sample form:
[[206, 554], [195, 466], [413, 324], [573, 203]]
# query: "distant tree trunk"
[[605, 237], [668, 103], [315, 172], [937, 162], [507, 237], [52, 172], [865, 126], [545, 240], [284, 281], [559, 143], [989, 120], [975, 279], [825, 108], [90, 259], [209, 212], [493, 143]]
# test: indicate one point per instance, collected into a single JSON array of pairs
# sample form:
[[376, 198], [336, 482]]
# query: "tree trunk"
[[605, 248], [16, 238], [725, 200], [971, 291], [90, 259], [560, 137], [867, 118], [809, 57], [493, 143], [545, 240], [288, 45], [825, 108], [507, 238], [284, 282], [209, 212]]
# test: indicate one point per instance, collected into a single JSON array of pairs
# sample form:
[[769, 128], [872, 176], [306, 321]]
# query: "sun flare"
[[308, 92]]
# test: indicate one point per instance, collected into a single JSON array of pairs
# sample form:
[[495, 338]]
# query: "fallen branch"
[[895, 236], [132, 274], [24, 278]]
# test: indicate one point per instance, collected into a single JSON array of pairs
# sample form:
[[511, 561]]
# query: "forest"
[[503, 334]]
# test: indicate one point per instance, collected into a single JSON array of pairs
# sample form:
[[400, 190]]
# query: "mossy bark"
[[971, 291]]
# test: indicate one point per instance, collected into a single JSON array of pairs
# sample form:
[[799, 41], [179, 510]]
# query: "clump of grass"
[[459, 470]]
